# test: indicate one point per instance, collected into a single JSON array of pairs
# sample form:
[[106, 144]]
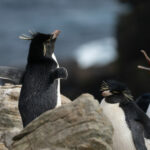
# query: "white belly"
[[148, 111], [122, 138], [58, 87], [58, 94]]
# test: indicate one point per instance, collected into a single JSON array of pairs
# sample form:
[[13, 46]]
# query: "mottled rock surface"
[[65, 100], [79, 125], [10, 120]]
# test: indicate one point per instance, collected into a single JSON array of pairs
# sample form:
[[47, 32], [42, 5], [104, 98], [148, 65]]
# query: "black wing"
[[144, 120], [139, 124]]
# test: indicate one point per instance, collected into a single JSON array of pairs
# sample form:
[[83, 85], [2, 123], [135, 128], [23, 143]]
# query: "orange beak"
[[55, 34]]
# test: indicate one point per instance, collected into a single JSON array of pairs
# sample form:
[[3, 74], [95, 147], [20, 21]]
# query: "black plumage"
[[126, 117], [143, 102], [40, 91]]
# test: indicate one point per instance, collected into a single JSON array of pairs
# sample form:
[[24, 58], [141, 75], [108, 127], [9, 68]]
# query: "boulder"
[[10, 120], [79, 125], [65, 100]]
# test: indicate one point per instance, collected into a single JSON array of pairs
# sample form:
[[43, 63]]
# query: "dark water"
[[80, 21]]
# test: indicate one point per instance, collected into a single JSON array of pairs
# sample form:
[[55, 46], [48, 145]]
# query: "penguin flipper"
[[139, 124], [60, 73], [138, 138], [145, 122], [11, 73]]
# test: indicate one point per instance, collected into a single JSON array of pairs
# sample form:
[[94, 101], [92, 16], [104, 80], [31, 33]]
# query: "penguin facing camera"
[[143, 102], [41, 80], [131, 125]]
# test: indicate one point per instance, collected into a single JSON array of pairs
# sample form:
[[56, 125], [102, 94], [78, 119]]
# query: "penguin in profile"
[[144, 103], [41, 80], [131, 125]]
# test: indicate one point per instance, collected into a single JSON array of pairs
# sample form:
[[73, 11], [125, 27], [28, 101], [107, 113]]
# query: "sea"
[[88, 29]]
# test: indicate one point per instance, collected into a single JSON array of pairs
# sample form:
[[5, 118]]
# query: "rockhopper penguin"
[[41, 81], [144, 103], [131, 125]]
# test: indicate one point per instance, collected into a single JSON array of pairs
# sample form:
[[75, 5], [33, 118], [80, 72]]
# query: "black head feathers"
[[115, 88], [42, 45], [40, 36]]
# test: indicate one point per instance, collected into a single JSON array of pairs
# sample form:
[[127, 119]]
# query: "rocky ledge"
[[77, 125]]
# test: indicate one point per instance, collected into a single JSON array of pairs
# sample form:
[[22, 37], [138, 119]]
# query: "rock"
[[2, 147], [10, 120], [79, 125], [65, 100], [76, 125]]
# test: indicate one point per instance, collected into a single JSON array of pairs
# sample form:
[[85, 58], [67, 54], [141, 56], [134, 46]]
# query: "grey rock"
[[10, 120], [65, 100], [79, 125]]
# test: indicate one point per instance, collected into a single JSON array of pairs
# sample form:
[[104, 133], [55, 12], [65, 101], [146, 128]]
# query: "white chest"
[[148, 111], [54, 58], [58, 87], [122, 138]]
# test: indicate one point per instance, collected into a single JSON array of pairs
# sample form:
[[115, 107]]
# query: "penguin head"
[[111, 88], [42, 45]]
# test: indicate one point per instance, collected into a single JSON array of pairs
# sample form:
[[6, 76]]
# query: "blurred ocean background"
[[100, 39], [88, 29]]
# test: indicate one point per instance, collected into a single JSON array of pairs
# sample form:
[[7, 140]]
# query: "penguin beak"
[[55, 34], [106, 93]]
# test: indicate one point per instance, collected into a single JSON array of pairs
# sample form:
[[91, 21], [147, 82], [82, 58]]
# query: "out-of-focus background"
[[100, 39]]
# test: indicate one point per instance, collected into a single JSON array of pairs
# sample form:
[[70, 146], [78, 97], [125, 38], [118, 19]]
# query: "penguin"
[[131, 125], [143, 102], [41, 79]]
